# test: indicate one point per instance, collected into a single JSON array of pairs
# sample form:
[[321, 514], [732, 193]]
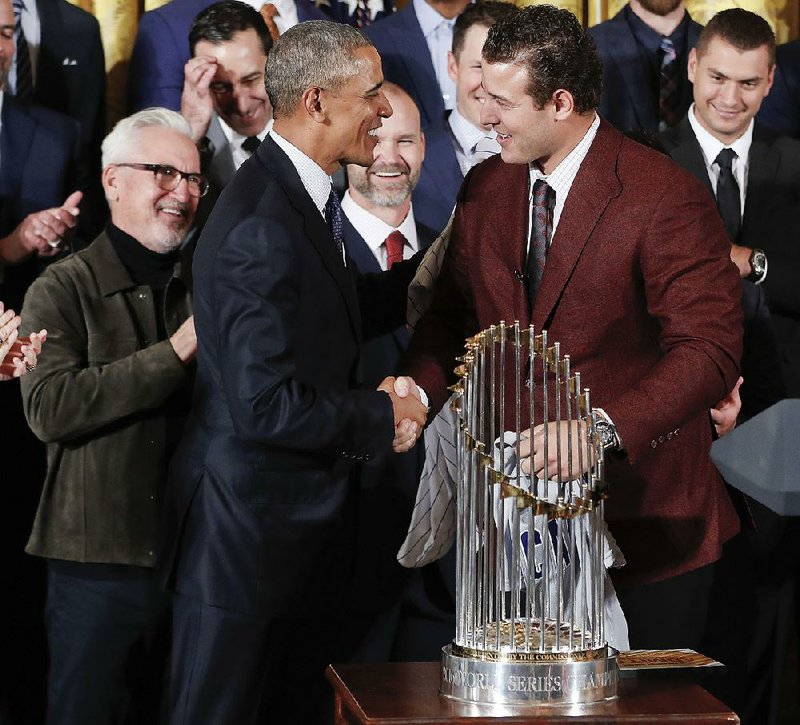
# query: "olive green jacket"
[[97, 398]]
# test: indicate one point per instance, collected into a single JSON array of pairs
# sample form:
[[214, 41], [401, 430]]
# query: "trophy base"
[[521, 683]]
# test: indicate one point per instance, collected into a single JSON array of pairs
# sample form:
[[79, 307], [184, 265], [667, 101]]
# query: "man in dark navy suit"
[[644, 49], [414, 44], [409, 614], [732, 71], [781, 108], [261, 509]]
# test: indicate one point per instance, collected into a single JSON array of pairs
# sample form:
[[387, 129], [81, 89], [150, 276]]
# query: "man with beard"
[[109, 399], [645, 48], [379, 230]]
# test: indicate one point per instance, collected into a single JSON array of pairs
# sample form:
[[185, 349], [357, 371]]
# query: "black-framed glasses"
[[168, 178]]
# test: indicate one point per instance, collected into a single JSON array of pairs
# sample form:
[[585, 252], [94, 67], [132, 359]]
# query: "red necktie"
[[394, 248], [268, 12]]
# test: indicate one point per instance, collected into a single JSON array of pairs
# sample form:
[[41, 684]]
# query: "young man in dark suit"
[[638, 287], [644, 49], [780, 110], [261, 508], [754, 175]]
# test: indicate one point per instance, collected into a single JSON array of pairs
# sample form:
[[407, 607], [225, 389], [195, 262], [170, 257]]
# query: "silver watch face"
[[758, 261]]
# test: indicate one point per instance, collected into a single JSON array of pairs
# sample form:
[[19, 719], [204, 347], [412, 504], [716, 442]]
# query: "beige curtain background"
[[118, 20]]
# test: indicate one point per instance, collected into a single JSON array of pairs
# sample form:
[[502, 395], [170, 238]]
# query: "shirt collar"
[[711, 146], [428, 18], [315, 181], [561, 178], [374, 230], [466, 133], [235, 138]]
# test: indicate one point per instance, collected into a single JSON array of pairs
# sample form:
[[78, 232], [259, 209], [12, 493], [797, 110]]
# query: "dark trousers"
[[108, 646], [670, 613], [230, 668]]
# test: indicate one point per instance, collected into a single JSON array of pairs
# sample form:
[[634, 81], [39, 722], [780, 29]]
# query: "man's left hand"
[[724, 413], [533, 440], [740, 256]]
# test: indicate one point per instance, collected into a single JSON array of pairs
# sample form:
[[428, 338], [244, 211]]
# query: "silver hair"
[[315, 53], [115, 145]]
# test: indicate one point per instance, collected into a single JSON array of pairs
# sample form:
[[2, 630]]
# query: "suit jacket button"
[[653, 444], [660, 439], [669, 436]]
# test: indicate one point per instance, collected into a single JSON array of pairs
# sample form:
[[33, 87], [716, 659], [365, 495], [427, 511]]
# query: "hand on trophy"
[[533, 441], [724, 413], [409, 413]]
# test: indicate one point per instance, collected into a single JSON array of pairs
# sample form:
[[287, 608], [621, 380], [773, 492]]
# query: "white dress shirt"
[[374, 230], [438, 32], [314, 179], [466, 135], [32, 28], [235, 141], [562, 177], [711, 147]]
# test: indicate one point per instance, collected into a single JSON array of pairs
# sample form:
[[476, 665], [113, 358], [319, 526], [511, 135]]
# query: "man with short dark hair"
[[645, 48], [622, 258], [224, 98], [109, 399], [262, 514], [754, 175]]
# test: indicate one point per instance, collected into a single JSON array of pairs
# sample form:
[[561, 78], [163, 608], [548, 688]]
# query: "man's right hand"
[[184, 341], [42, 232], [409, 413], [197, 103]]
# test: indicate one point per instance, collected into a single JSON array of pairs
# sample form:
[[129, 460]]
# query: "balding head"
[[397, 160]]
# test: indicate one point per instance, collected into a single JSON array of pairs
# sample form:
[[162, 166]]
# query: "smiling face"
[[525, 133], [355, 110], [398, 156], [238, 85], [729, 87], [465, 70], [158, 219]]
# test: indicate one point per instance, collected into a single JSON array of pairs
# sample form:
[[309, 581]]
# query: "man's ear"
[[313, 103], [564, 104], [452, 66], [691, 66], [110, 180]]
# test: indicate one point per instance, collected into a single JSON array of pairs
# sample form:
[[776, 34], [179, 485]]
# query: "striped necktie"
[[23, 88], [669, 93]]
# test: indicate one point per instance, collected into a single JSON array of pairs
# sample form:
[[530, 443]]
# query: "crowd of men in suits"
[[223, 279]]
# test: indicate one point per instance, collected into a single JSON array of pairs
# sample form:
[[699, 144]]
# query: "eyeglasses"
[[168, 178]]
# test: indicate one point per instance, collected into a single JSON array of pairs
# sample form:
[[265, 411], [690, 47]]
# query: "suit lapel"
[[687, 153], [358, 250], [222, 167], [421, 74], [315, 227], [594, 187], [762, 169], [622, 51]]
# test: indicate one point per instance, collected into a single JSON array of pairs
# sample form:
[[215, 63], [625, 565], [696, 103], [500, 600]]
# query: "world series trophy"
[[530, 624]]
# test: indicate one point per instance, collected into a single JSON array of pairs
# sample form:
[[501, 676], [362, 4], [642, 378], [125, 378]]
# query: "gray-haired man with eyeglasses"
[[109, 399]]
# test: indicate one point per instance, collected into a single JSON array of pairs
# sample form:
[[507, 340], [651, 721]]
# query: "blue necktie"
[[669, 94], [333, 214], [23, 89]]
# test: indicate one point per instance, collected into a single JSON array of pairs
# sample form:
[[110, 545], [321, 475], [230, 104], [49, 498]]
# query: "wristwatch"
[[758, 262], [606, 430]]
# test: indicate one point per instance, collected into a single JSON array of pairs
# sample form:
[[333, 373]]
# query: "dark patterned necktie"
[[544, 201], [333, 213], [394, 248], [669, 94], [24, 86], [250, 144], [728, 199]]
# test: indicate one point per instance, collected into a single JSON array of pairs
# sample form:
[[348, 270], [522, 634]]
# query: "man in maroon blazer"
[[638, 287]]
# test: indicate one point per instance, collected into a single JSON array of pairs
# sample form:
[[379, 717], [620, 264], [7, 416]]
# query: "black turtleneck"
[[146, 268]]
